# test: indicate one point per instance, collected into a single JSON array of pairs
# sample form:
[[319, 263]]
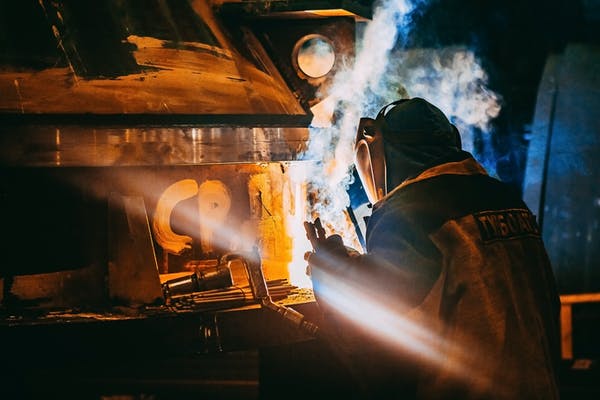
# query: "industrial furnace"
[[145, 142]]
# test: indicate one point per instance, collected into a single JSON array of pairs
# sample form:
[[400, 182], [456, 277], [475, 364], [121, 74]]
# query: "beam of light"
[[265, 224], [224, 235], [403, 332], [170, 241], [214, 203], [350, 299]]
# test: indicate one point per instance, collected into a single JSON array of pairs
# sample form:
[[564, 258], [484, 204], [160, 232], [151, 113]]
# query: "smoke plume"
[[384, 71]]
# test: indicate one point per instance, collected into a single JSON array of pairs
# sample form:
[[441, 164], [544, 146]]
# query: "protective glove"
[[327, 250], [329, 259]]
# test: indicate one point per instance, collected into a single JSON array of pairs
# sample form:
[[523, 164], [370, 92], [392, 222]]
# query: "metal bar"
[[566, 319]]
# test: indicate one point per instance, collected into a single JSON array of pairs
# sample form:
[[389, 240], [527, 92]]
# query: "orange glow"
[[161, 223], [273, 204], [57, 159], [296, 214], [315, 56]]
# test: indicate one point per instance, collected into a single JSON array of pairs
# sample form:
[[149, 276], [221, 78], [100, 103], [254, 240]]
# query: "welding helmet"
[[406, 122]]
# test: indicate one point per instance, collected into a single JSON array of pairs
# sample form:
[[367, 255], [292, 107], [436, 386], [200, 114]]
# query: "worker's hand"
[[329, 258], [328, 251], [315, 233]]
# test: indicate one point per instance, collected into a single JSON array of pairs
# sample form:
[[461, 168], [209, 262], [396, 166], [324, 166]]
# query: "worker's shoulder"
[[451, 196]]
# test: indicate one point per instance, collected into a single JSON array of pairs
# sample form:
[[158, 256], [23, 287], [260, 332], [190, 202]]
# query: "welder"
[[454, 296]]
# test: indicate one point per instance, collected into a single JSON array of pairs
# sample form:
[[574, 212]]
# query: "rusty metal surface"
[[315, 9], [132, 269], [126, 59], [57, 146]]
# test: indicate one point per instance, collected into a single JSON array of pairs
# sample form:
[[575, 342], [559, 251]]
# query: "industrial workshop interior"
[[159, 160]]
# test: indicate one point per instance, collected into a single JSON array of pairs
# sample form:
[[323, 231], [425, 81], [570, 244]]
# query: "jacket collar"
[[464, 165]]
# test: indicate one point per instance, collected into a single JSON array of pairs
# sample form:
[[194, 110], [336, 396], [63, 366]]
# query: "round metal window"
[[314, 56]]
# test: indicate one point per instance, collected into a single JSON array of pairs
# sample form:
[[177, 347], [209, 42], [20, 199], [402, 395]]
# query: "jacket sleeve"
[[401, 258], [400, 267]]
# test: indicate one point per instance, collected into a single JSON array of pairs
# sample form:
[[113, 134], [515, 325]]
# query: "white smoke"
[[450, 78]]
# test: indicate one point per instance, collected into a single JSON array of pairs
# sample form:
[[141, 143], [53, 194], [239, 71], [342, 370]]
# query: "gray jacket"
[[455, 296]]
